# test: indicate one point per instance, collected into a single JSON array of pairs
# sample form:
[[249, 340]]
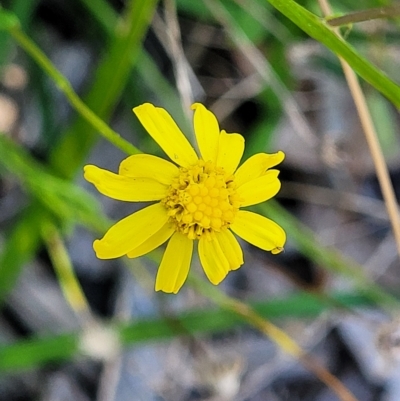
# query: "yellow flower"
[[199, 198]]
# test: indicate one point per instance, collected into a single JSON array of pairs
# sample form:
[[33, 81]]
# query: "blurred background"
[[335, 288]]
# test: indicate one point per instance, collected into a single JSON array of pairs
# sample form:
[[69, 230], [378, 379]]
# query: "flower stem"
[[65, 87]]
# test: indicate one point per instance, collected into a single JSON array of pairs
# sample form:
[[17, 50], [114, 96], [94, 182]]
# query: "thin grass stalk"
[[371, 136], [391, 11]]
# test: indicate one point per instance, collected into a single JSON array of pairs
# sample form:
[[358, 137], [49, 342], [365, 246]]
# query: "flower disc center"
[[201, 200]]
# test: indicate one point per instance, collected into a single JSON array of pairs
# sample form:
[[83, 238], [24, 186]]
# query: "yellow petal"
[[256, 165], [153, 242], [175, 264], [149, 166], [124, 188], [213, 260], [230, 151], [206, 129], [260, 189], [163, 129], [259, 231], [131, 232], [231, 248]]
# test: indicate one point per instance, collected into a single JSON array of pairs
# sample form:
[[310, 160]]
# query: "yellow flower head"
[[199, 198]]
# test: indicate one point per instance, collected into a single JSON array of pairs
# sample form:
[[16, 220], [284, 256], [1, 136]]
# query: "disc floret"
[[202, 199]]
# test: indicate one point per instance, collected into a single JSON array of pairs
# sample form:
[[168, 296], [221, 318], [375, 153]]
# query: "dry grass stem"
[[372, 140], [366, 15], [246, 88], [179, 61], [266, 72], [169, 34]]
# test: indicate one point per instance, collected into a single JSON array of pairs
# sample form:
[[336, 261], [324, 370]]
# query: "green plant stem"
[[63, 84]]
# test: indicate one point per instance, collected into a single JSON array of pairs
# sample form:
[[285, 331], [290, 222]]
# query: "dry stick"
[[366, 15], [372, 139]]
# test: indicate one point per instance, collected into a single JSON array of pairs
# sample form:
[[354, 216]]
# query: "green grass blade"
[[103, 13], [33, 352], [20, 246], [30, 353], [149, 72], [52, 197], [110, 79], [79, 138], [318, 29], [67, 201]]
